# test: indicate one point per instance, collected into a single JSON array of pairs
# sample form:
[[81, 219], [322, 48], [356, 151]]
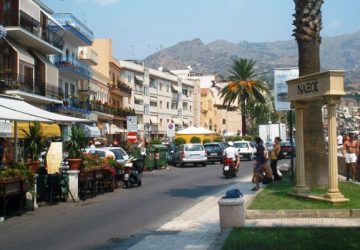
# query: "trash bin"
[[231, 210], [159, 155]]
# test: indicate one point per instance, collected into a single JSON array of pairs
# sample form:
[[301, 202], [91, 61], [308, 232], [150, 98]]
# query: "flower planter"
[[74, 164]]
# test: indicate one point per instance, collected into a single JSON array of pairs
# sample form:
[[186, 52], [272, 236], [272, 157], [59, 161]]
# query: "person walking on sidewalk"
[[274, 156], [350, 152], [260, 160]]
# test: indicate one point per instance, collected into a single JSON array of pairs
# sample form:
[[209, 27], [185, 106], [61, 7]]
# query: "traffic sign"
[[131, 123], [132, 136], [170, 130]]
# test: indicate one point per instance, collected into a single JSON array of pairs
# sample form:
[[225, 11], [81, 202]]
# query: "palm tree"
[[243, 87], [307, 34]]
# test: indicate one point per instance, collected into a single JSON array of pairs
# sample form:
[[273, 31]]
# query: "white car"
[[116, 152], [246, 149], [191, 153]]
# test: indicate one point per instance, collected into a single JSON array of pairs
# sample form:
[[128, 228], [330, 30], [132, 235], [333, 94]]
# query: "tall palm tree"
[[307, 34], [243, 87]]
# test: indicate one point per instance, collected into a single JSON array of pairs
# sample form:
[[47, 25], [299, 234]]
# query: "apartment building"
[[113, 94], [30, 38], [159, 98]]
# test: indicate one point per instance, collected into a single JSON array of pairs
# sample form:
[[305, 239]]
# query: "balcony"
[[79, 34], [88, 56], [27, 31], [120, 88], [71, 67]]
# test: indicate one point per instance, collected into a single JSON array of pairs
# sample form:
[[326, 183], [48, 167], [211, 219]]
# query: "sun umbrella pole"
[[16, 141]]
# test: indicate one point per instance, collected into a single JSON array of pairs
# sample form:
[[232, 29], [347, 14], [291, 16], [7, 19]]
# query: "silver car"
[[191, 153]]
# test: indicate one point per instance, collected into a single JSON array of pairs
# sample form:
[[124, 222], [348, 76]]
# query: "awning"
[[139, 97], [18, 105], [139, 78], [153, 119], [49, 130], [23, 54], [90, 130], [5, 129], [175, 89], [114, 129], [12, 115], [186, 122], [176, 120]]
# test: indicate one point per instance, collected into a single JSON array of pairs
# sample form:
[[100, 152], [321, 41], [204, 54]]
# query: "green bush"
[[229, 138], [217, 139], [248, 138], [206, 141], [155, 142], [179, 141], [195, 139], [237, 138]]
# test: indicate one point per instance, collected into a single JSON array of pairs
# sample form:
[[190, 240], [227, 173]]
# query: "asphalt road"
[[117, 217]]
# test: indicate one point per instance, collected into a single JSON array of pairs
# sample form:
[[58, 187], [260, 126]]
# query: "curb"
[[316, 213]]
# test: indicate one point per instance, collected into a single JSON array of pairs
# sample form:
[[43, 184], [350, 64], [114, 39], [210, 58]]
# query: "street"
[[119, 217]]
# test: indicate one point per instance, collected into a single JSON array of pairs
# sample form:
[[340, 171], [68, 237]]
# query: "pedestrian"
[[274, 157], [260, 160], [350, 151], [339, 140]]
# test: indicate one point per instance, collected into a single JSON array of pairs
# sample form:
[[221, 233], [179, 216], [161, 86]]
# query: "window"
[[190, 93], [153, 103], [185, 106], [160, 86], [138, 101], [167, 105], [146, 90], [174, 105], [146, 109], [129, 78], [167, 121], [167, 88], [161, 122], [223, 121], [153, 84], [185, 92], [161, 102], [190, 108]]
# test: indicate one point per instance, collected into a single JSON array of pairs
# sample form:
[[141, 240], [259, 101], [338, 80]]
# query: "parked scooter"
[[132, 172], [229, 168]]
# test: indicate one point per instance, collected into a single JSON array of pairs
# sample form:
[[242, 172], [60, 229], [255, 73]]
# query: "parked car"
[[287, 150], [172, 148], [246, 149], [214, 152], [191, 153], [117, 152]]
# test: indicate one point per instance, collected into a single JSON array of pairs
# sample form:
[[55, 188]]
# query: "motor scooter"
[[229, 168], [132, 172]]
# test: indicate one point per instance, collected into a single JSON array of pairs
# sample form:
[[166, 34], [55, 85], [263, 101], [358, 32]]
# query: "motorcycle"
[[229, 168], [132, 173]]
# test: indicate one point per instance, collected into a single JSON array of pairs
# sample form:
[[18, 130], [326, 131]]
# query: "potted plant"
[[75, 147], [34, 144]]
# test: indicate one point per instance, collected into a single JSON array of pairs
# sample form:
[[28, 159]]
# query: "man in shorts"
[[350, 152]]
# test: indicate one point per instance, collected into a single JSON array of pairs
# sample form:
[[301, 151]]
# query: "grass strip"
[[275, 196], [293, 238]]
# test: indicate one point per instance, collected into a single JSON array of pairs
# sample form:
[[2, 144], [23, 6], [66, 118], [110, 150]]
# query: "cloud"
[[336, 24]]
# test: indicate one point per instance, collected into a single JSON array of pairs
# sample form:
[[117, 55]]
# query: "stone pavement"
[[199, 227]]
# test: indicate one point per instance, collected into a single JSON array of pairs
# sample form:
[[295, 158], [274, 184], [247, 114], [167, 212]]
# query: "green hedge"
[[195, 139]]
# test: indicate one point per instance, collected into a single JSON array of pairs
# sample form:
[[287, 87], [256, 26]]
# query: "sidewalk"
[[199, 227]]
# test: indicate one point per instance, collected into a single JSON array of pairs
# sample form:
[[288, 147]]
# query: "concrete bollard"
[[73, 185], [232, 212]]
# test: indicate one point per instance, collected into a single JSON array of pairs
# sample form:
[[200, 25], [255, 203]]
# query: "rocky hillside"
[[341, 52]]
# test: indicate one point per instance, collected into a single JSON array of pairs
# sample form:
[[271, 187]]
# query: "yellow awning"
[[49, 130]]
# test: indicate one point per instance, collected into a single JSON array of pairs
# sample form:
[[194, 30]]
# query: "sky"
[[139, 28]]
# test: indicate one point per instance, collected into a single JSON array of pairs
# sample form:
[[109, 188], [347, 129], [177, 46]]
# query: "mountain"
[[340, 52]]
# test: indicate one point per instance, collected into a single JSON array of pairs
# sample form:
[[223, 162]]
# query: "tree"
[[307, 34], [243, 87]]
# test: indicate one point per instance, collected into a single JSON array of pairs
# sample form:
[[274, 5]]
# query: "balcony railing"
[[70, 22], [63, 61], [24, 21], [78, 104], [121, 86]]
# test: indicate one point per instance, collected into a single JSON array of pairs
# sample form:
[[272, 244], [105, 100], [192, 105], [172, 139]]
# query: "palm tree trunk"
[[243, 119], [309, 62]]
